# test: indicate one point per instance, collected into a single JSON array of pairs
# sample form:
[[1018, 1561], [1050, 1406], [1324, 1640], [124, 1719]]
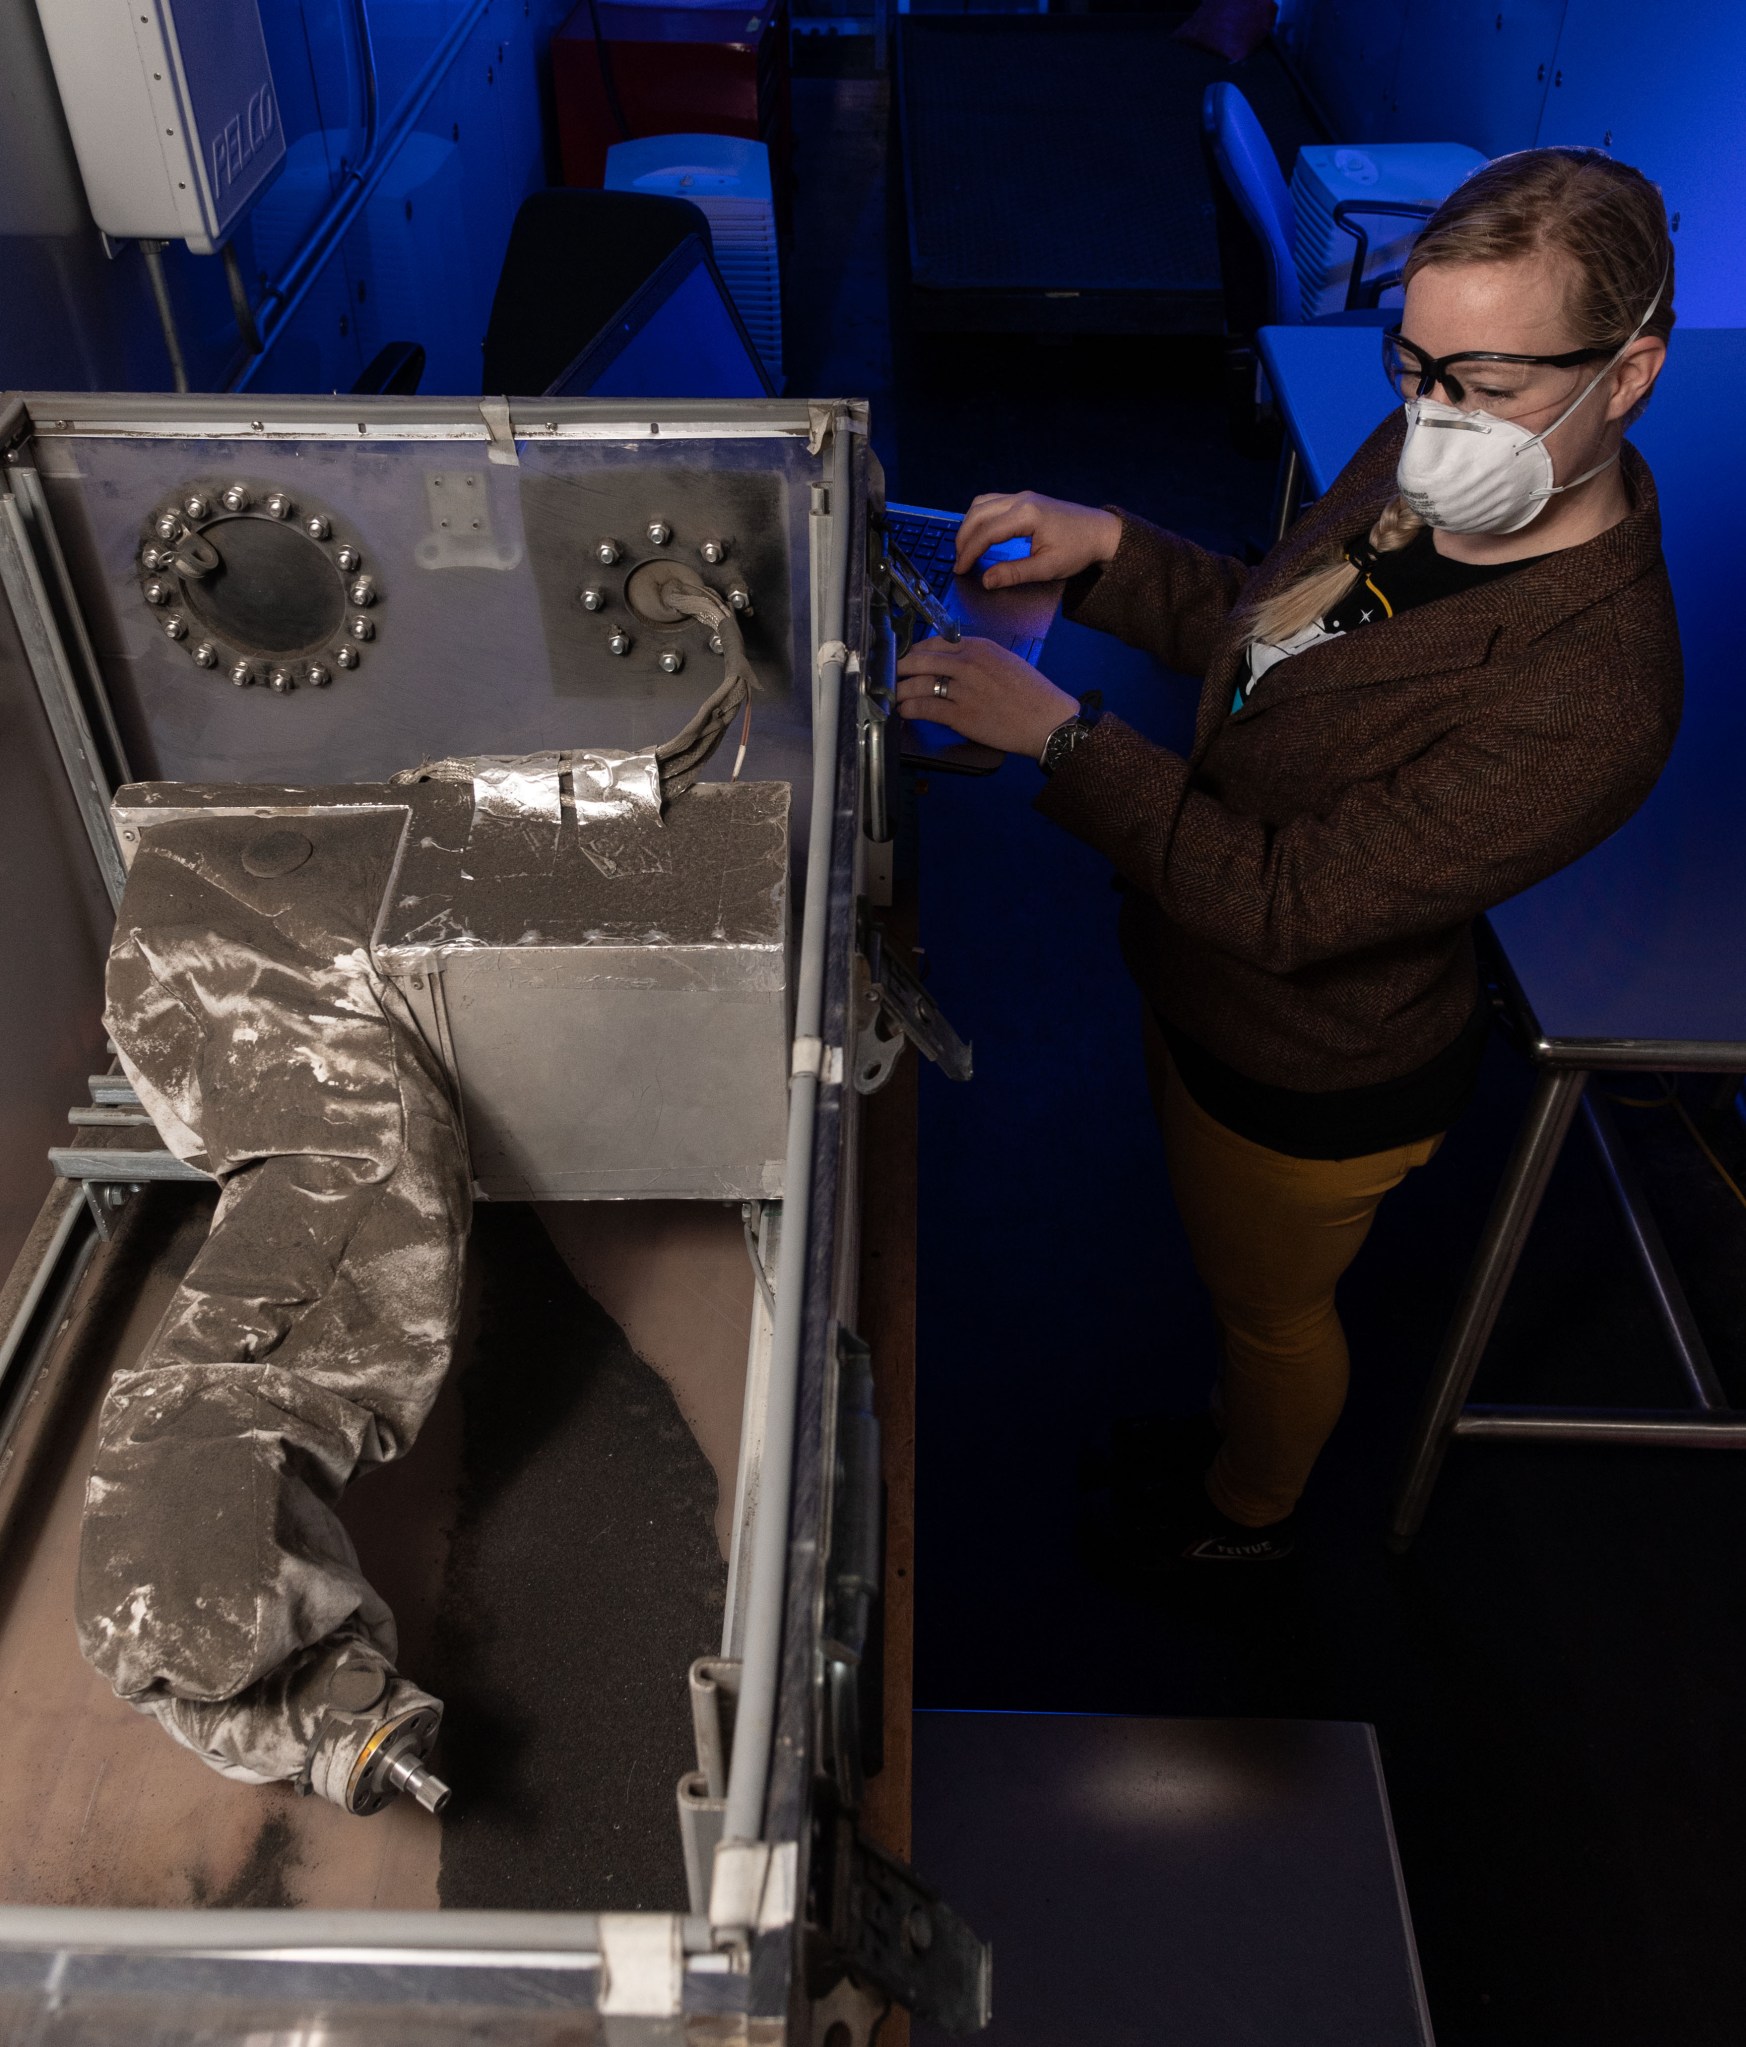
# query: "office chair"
[[1253, 214], [1247, 179], [574, 259]]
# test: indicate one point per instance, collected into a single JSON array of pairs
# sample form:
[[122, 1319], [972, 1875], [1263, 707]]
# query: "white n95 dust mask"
[[1471, 472]]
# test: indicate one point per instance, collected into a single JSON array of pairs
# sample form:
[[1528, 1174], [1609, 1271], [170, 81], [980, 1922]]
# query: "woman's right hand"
[[1064, 538]]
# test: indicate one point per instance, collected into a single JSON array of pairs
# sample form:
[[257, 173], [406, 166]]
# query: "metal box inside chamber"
[[231, 623], [609, 997]]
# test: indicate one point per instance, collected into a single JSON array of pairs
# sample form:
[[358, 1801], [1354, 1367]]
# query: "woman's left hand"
[[990, 694]]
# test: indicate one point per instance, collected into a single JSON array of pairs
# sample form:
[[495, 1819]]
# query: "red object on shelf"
[[679, 71]]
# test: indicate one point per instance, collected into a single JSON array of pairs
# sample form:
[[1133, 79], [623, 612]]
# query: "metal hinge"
[[891, 1005], [889, 1929]]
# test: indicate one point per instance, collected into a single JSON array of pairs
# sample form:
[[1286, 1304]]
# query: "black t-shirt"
[[1350, 1122]]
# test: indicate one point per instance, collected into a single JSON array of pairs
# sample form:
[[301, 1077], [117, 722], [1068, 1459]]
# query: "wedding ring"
[[942, 687]]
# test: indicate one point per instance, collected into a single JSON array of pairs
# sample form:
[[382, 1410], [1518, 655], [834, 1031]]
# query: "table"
[[1634, 958], [1172, 1881]]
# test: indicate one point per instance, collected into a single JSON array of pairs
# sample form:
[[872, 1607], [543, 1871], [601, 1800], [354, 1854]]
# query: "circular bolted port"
[[740, 597], [607, 553], [671, 660], [176, 625], [619, 643], [347, 657], [659, 532], [205, 654], [317, 676], [167, 526], [242, 675], [592, 600], [236, 498], [712, 551], [278, 505], [196, 506], [349, 560], [361, 628], [363, 590], [317, 527], [156, 592]]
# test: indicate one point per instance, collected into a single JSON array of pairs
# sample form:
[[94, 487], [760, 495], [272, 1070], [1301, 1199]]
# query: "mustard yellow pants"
[[1271, 1236]]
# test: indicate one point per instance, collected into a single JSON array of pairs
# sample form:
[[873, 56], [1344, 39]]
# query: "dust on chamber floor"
[[548, 1547]]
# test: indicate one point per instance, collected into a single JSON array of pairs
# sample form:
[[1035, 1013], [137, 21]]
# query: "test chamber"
[[407, 581]]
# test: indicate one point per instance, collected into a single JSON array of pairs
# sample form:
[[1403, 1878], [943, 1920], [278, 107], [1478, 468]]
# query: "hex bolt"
[[242, 675], [350, 560], [167, 526], [282, 680], [715, 645], [153, 558], [619, 642], [363, 590], [278, 505], [671, 660], [236, 498], [659, 532], [176, 626], [196, 506], [156, 592], [205, 655], [346, 657], [361, 628], [607, 553], [740, 597], [592, 599], [712, 551], [317, 527], [317, 676]]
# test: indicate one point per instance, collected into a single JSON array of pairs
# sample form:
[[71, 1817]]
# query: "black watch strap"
[[1071, 732]]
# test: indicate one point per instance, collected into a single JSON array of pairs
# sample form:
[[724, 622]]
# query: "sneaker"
[[1220, 1540]]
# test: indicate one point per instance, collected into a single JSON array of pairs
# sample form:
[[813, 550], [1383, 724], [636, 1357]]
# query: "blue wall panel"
[[1663, 88], [1474, 71], [1347, 51]]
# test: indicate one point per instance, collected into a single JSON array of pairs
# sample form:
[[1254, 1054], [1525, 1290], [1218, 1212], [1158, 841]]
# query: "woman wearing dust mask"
[[1456, 674]]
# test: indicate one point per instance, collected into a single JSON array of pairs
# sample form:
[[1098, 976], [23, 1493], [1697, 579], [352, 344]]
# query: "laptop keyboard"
[[929, 539]]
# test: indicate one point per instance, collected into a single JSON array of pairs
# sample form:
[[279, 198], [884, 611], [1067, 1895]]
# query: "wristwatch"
[[1071, 732]]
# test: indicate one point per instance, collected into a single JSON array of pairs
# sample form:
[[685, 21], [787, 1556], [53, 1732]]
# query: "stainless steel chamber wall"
[[312, 593]]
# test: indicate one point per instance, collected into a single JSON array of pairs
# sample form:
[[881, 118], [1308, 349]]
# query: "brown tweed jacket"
[[1303, 886]]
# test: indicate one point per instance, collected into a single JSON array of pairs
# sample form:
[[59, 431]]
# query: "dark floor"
[[1554, 1670]]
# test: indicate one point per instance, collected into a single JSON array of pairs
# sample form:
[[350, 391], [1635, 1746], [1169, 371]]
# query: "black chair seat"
[[574, 258]]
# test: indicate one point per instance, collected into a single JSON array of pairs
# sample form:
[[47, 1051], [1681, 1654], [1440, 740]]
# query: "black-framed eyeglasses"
[[1502, 383]]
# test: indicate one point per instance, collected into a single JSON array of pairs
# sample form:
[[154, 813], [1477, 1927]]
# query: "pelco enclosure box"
[[286, 607], [610, 997]]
